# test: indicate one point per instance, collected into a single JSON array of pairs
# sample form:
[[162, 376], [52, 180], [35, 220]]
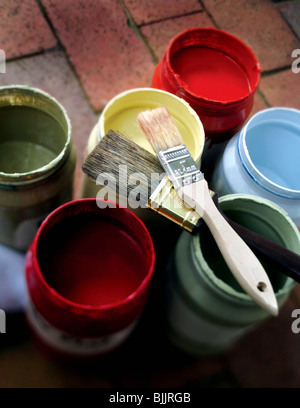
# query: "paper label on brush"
[[180, 166], [67, 343]]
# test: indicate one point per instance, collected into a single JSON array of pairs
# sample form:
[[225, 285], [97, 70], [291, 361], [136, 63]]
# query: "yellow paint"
[[120, 115], [121, 112]]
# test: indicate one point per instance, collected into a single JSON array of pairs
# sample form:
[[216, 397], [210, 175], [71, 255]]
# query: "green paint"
[[247, 215], [23, 157], [29, 139], [207, 311]]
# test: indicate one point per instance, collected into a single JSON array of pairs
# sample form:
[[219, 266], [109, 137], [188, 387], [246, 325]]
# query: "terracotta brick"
[[259, 24], [282, 89], [145, 12], [259, 104], [291, 12], [52, 73], [23, 29], [158, 35], [106, 53]]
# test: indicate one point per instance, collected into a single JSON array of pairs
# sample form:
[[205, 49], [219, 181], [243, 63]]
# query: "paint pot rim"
[[39, 173], [80, 307], [100, 127], [245, 158], [185, 91], [221, 286]]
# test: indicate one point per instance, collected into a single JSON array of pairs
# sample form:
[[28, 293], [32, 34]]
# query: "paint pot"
[[88, 274], [263, 159], [37, 162], [207, 311], [216, 73], [120, 115]]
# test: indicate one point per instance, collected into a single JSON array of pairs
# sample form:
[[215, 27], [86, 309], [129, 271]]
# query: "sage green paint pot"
[[37, 162], [207, 310]]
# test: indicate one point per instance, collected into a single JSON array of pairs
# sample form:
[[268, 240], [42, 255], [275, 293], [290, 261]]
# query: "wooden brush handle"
[[275, 255], [240, 259]]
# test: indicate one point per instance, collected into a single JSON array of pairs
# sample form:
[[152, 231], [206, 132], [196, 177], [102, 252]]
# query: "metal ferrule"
[[166, 202]]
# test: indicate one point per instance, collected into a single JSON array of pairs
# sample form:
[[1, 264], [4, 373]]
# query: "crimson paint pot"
[[88, 274], [216, 73]]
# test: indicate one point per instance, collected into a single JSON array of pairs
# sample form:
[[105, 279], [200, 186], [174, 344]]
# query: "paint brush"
[[192, 188], [104, 164]]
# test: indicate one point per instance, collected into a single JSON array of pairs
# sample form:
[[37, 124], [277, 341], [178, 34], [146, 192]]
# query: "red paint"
[[94, 261], [210, 74], [89, 270], [216, 73]]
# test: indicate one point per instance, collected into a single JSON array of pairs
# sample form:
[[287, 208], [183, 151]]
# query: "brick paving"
[[105, 52], [145, 13], [290, 11], [260, 25], [23, 29], [84, 53], [158, 35], [279, 89]]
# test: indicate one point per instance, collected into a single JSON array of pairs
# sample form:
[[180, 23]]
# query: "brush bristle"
[[115, 150], [159, 128]]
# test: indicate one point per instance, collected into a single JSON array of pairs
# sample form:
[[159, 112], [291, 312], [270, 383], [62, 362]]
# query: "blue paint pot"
[[263, 159]]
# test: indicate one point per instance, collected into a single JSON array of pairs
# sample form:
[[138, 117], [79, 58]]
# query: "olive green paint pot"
[[37, 162], [207, 310]]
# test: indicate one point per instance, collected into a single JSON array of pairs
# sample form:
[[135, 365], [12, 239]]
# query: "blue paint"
[[263, 159], [274, 148]]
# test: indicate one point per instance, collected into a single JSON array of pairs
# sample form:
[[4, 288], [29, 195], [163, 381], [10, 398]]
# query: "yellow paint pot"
[[120, 115]]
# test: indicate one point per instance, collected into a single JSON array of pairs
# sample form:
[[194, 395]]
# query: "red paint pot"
[[88, 274], [216, 73]]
